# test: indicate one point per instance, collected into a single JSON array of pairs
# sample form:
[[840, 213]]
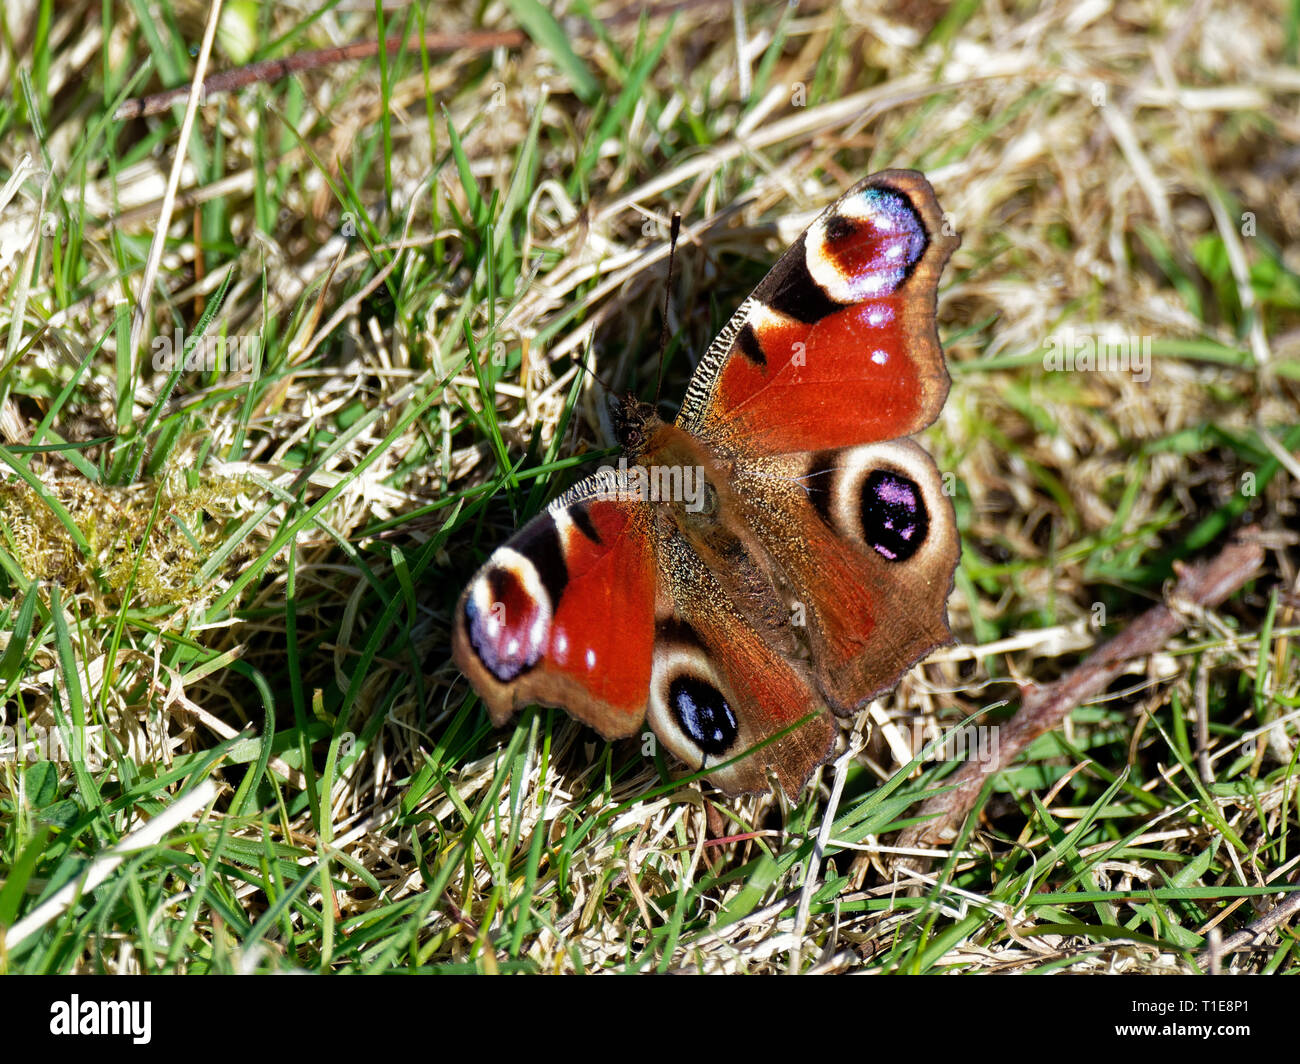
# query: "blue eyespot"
[[703, 714]]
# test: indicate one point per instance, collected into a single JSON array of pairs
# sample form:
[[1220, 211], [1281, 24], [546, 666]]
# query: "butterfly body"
[[778, 551]]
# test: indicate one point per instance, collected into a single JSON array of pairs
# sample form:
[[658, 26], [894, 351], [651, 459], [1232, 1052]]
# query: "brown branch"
[[472, 40], [1200, 586], [1255, 933], [274, 69]]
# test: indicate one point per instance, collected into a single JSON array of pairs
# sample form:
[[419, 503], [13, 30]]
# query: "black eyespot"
[[703, 714], [894, 518]]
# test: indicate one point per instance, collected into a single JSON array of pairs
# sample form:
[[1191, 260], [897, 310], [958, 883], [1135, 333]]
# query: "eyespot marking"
[[702, 714], [507, 616], [868, 248], [894, 518]]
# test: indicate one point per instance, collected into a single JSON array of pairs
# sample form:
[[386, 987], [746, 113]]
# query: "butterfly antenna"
[[586, 368], [668, 292]]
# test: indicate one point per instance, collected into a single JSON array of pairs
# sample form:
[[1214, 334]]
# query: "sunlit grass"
[[245, 573]]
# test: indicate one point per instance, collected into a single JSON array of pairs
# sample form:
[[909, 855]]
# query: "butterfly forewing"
[[563, 614], [837, 346]]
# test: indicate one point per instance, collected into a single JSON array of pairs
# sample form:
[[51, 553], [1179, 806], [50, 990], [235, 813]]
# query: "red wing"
[[837, 346], [720, 688], [563, 614]]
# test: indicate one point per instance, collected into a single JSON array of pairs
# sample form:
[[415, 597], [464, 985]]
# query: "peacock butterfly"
[[780, 550]]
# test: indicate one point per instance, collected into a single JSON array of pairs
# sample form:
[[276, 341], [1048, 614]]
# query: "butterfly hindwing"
[[722, 687], [866, 544]]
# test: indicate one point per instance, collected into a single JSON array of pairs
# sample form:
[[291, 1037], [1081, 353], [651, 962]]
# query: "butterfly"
[[779, 553]]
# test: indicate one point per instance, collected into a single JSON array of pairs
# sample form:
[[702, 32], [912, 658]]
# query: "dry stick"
[[1255, 932], [1202, 585], [274, 69], [470, 40]]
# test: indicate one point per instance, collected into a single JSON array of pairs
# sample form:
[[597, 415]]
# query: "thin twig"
[[1253, 933], [468, 40], [1200, 586], [274, 69]]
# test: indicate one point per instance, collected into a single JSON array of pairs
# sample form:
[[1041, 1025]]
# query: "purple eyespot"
[[894, 518]]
